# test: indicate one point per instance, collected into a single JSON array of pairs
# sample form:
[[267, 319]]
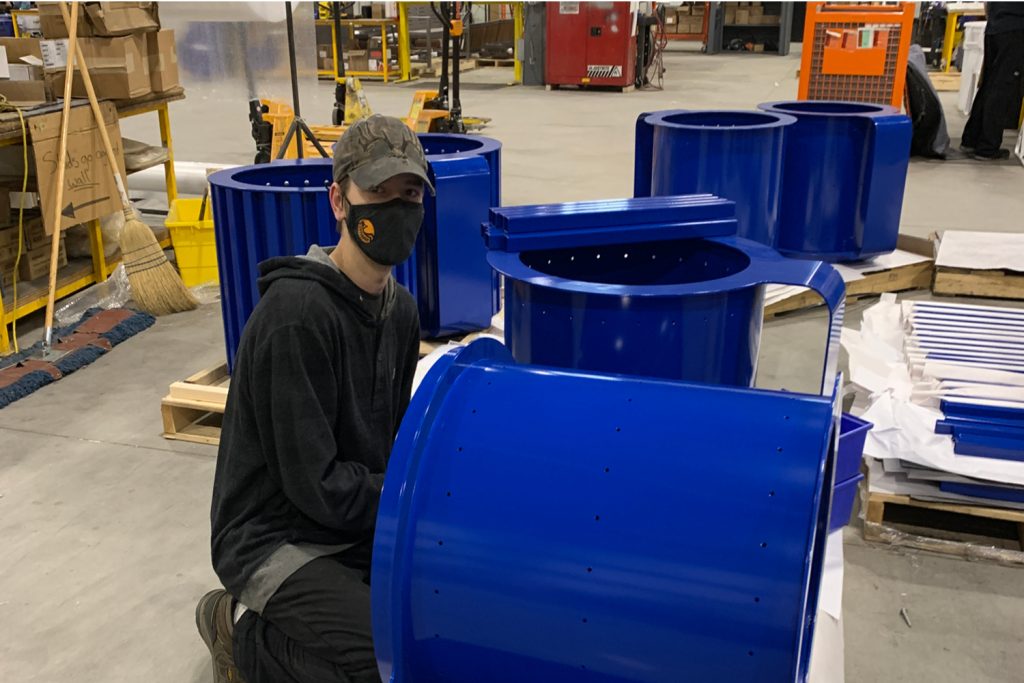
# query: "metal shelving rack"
[[720, 33], [81, 273]]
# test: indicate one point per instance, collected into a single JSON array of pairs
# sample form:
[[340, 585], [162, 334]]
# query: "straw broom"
[[156, 286]]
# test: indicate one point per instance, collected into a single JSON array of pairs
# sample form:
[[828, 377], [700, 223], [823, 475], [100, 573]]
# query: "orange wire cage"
[[856, 52]]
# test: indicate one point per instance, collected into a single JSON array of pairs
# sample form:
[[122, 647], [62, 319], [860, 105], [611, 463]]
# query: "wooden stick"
[[62, 155], [98, 114]]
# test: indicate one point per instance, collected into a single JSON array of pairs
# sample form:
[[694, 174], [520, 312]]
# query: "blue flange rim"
[[658, 118], [873, 110], [487, 145], [757, 272]]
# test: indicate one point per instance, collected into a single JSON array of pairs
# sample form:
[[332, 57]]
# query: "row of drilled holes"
[[597, 518]]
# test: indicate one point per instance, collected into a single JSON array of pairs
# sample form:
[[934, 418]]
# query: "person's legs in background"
[[998, 100], [315, 629]]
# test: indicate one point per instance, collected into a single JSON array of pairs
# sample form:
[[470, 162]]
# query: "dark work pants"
[[316, 627], [997, 104]]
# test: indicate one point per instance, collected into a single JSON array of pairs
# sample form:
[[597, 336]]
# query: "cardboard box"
[[756, 12], [36, 262], [730, 14], [51, 21], [770, 20], [684, 10], [89, 189], [163, 61], [34, 232], [25, 93], [6, 276], [119, 68], [742, 15], [18, 49], [9, 251], [103, 19], [698, 9], [356, 60]]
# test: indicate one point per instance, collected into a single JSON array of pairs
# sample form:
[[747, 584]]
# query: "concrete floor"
[[106, 524]]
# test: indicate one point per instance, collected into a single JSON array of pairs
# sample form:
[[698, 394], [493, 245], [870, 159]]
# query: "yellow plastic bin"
[[195, 248]]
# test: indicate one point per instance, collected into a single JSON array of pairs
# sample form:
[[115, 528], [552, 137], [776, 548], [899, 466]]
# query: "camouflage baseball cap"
[[377, 148]]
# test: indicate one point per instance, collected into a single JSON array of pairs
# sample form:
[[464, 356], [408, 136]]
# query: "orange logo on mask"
[[365, 231]]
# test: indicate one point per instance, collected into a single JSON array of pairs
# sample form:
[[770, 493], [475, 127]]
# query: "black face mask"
[[385, 232]]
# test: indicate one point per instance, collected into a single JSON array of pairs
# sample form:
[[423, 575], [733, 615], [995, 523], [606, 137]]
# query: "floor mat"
[[95, 333]]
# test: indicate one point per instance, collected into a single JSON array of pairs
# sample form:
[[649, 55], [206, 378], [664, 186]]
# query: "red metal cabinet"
[[590, 43]]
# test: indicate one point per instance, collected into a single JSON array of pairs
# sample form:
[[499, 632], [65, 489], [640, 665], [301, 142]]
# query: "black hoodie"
[[321, 381]]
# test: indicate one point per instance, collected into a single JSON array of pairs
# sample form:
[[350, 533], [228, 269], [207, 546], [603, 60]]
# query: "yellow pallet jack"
[[430, 110]]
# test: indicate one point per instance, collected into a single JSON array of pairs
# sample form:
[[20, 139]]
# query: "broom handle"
[[98, 113], [62, 155]]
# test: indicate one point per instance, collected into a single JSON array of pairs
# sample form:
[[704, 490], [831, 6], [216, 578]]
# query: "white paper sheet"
[[830, 594], [981, 250]]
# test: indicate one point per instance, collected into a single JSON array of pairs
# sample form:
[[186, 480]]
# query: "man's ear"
[[337, 203]]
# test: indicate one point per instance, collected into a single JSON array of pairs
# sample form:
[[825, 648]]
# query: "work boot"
[[991, 156], [214, 619]]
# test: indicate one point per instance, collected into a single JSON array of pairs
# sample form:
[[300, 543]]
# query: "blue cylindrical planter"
[[546, 525], [843, 178], [683, 309], [281, 208], [736, 155], [448, 273], [262, 211]]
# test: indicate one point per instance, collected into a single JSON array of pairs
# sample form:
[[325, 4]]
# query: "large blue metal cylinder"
[[259, 212], [539, 524], [448, 272], [281, 208], [844, 171], [685, 306], [733, 154]]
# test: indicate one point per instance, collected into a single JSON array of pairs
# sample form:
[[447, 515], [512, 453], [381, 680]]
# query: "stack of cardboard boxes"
[[34, 246], [750, 14], [22, 80], [686, 18], [129, 57]]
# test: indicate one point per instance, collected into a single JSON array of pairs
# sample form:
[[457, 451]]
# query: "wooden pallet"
[[945, 81], [903, 278], [482, 61], [994, 284], [972, 532], [193, 409]]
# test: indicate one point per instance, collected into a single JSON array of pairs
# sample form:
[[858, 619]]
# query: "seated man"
[[321, 381]]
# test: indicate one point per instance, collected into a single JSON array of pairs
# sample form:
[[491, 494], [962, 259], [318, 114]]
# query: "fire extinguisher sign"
[[603, 71], [568, 8]]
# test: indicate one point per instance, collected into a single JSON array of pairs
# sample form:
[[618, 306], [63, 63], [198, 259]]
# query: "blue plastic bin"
[[843, 496], [852, 433]]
